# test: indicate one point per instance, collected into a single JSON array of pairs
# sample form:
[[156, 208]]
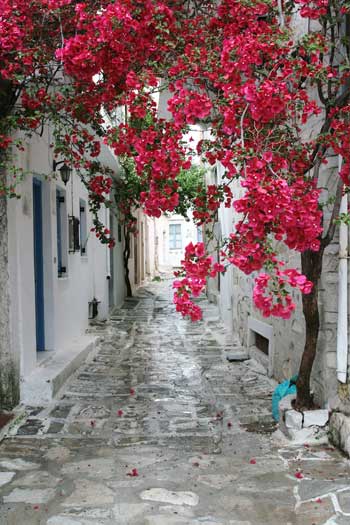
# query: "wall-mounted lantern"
[[65, 170]]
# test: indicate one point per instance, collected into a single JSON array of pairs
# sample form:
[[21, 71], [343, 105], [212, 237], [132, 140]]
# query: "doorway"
[[38, 264]]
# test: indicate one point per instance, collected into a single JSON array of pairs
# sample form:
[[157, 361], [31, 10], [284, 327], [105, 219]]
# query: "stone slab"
[[18, 464], [173, 497], [88, 494], [310, 436], [30, 496]]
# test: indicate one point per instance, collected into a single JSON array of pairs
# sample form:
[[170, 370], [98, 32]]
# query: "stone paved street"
[[158, 428]]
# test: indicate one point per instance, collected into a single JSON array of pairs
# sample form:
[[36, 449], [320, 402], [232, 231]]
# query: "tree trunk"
[[126, 256], [311, 265], [9, 366]]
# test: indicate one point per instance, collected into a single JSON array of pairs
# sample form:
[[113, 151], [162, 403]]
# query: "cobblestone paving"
[[159, 429]]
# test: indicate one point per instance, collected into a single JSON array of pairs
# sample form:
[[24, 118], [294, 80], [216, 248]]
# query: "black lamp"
[[65, 170]]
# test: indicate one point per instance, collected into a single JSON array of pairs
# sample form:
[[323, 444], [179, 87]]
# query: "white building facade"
[[59, 272], [173, 233]]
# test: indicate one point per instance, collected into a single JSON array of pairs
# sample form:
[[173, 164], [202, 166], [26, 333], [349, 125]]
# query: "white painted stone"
[[293, 419], [315, 417], [286, 403], [6, 477], [17, 464], [167, 496], [30, 496], [89, 494]]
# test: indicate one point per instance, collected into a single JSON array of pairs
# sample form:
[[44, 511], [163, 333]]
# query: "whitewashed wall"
[[168, 257], [65, 298]]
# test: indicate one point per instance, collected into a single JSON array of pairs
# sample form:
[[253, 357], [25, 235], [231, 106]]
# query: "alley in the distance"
[[158, 428]]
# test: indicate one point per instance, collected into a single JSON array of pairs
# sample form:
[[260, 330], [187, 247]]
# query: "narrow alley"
[[158, 428]]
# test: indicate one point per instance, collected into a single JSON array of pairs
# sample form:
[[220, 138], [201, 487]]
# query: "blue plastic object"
[[281, 391]]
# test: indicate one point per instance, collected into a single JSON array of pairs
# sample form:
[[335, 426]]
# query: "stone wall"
[[289, 334]]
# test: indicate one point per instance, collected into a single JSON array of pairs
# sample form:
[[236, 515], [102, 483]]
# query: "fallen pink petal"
[[134, 473]]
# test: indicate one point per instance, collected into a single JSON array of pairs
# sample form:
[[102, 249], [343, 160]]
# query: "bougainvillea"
[[233, 67]]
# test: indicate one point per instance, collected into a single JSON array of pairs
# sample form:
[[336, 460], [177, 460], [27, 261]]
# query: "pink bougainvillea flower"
[[36, 507], [132, 391], [120, 413], [318, 500], [252, 461], [298, 475]]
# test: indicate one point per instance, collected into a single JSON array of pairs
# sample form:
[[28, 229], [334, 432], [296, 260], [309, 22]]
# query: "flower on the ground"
[[133, 473]]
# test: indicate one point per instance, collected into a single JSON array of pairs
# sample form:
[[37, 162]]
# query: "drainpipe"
[[342, 329]]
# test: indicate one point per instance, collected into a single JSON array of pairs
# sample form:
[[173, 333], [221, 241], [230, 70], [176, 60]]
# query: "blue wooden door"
[[38, 264]]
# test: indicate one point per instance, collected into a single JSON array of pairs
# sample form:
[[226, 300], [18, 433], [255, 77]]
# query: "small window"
[[262, 343], [61, 219], [175, 240], [199, 234], [74, 234], [83, 227]]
